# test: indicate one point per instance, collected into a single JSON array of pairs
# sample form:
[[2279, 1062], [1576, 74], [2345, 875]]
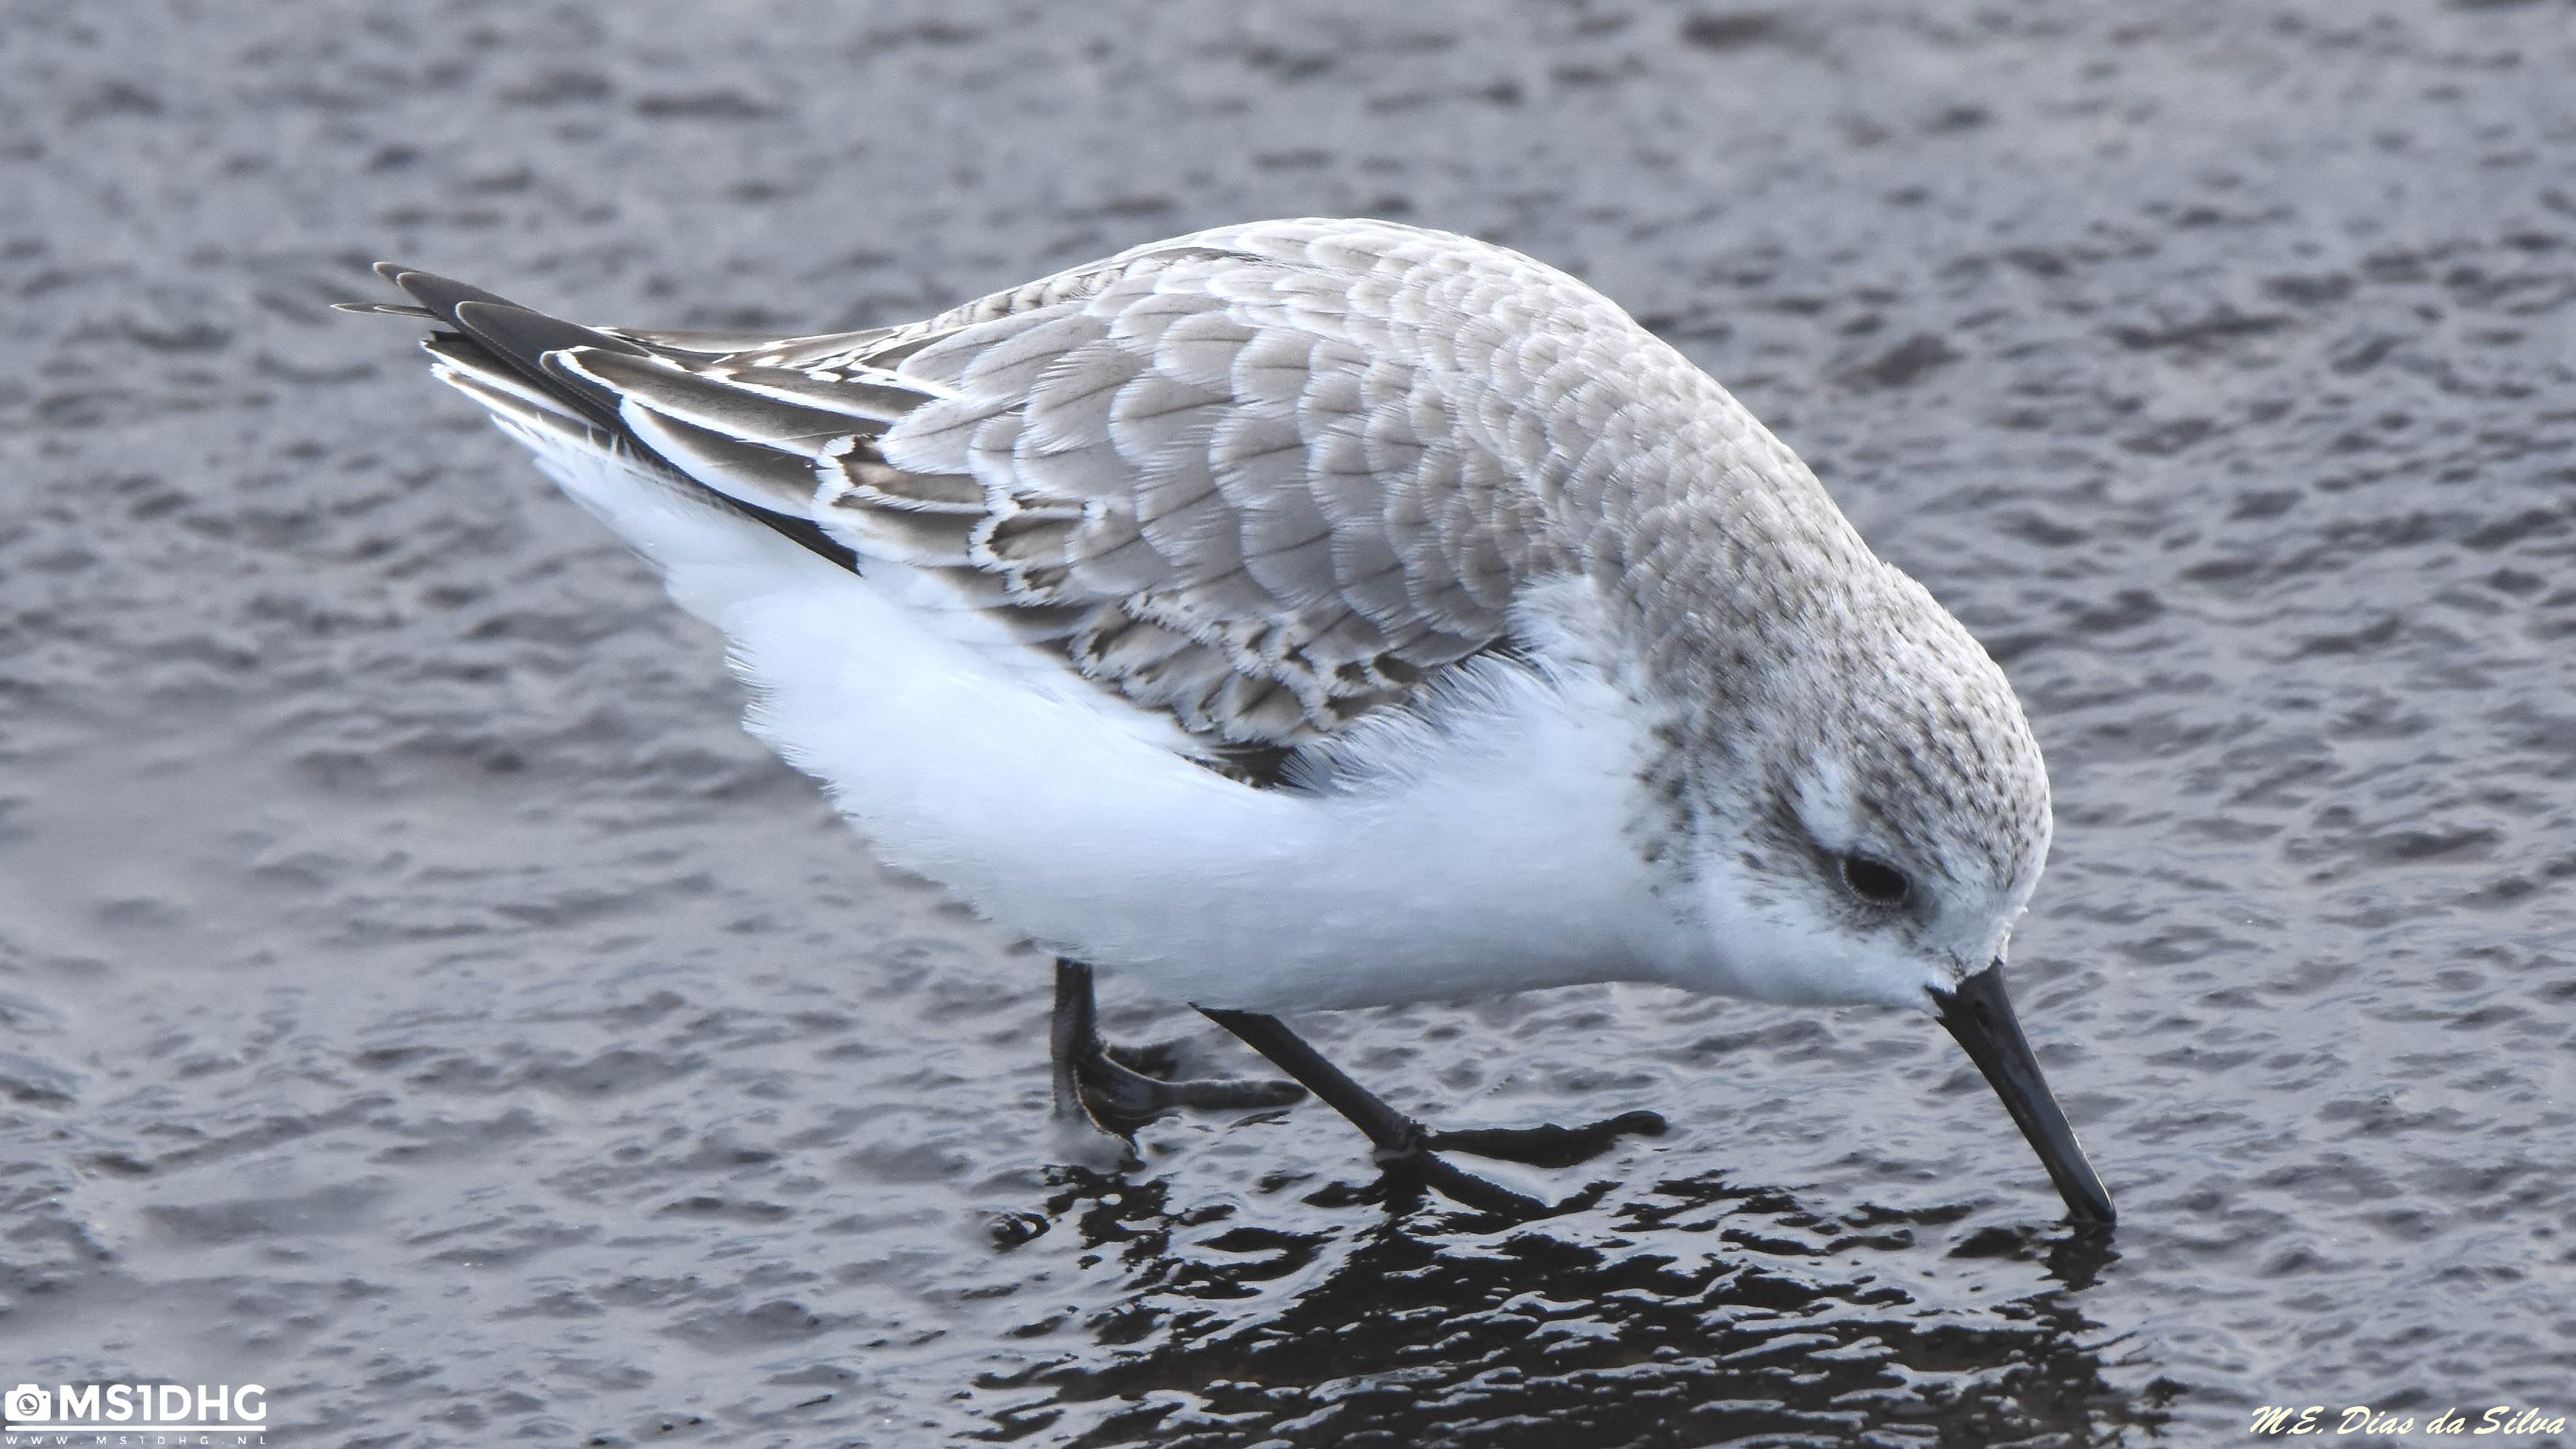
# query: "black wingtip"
[[520, 334], [493, 333], [441, 295], [523, 335], [512, 335]]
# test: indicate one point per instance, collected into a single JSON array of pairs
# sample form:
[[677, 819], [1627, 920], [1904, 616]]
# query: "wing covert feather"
[[1263, 480]]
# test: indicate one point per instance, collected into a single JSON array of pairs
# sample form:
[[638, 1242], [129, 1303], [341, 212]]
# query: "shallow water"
[[417, 996]]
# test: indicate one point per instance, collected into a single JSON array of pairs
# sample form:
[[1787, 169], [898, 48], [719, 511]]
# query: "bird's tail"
[[537, 375], [714, 549]]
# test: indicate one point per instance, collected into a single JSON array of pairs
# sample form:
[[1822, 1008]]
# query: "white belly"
[[1490, 854]]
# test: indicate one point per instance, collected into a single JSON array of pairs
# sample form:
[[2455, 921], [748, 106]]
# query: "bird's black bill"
[[1980, 1015]]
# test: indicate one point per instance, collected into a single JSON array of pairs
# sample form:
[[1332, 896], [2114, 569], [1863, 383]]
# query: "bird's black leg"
[[1404, 1143], [1092, 1081]]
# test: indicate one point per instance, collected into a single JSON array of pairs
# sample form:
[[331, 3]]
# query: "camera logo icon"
[[29, 1404]]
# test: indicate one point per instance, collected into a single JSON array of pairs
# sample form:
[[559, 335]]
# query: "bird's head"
[[1868, 815]]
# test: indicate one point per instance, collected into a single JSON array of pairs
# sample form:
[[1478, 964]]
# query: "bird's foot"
[[1547, 1145], [1118, 1094], [1117, 1089], [1406, 1148]]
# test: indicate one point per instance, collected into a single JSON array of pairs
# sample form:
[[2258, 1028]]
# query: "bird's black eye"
[[1875, 881]]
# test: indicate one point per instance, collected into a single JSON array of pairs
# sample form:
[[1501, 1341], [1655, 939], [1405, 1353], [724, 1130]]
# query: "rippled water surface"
[[416, 995]]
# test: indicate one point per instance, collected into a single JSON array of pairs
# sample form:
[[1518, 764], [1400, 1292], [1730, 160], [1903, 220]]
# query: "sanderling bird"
[[1319, 614]]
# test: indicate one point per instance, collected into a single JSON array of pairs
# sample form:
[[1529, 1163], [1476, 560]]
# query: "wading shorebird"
[[1319, 614]]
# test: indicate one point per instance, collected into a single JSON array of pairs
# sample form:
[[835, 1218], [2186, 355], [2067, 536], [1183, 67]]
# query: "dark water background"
[[417, 996]]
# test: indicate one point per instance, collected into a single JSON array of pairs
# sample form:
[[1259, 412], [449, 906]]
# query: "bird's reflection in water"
[[1706, 1314]]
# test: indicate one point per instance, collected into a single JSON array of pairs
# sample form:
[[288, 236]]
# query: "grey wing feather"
[[1235, 479], [1232, 485]]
